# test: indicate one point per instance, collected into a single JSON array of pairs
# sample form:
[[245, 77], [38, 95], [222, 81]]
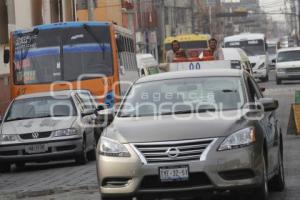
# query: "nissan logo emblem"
[[35, 135], [173, 152]]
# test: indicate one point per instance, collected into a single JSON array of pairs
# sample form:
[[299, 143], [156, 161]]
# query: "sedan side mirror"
[[101, 107], [262, 89], [87, 112], [107, 116], [6, 56], [268, 104]]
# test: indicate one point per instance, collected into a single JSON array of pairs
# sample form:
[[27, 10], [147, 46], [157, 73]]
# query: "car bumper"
[[221, 171], [260, 73], [56, 150], [288, 76]]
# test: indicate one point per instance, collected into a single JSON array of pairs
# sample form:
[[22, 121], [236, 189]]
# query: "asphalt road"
[[67, 181]]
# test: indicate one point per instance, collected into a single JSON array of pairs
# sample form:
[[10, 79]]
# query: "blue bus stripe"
[[67, 49]]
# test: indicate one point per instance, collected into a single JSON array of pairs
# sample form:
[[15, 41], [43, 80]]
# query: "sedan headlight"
[[112, 148], [280, 70], [8, 138], [65, 132], [239, 139], [261, 66]]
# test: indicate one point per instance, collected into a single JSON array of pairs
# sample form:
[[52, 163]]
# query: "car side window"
[[79, 102], [257, 89], [87, 101], [253, 90]]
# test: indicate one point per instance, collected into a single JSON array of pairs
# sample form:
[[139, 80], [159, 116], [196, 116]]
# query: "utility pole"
[[90, 10]]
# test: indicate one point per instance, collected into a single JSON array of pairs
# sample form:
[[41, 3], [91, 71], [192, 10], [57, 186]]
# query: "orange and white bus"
[[94, 56]]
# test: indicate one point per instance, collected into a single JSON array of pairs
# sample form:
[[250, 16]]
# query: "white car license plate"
[[170, 174], [36, 148]]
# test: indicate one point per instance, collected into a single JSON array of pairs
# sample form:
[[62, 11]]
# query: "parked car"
[[147, 64], [238, 58], [48, 126], [187, 133], [288, 64]]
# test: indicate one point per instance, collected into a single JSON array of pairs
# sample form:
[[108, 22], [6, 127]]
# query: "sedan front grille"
[[292, 70], [35, 135], [170, 152]]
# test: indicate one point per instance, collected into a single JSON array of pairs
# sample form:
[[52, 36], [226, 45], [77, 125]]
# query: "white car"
[[48, 126], [288, 64], [238, 58], [254, 44], [147, 64]]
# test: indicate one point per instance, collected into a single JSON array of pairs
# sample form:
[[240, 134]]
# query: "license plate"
[[37, 148], [170, 174]]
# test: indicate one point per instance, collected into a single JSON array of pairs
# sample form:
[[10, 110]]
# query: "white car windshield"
[[288, 56], [40, 107]]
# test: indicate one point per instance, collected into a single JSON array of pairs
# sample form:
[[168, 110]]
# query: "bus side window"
[[119, 43]]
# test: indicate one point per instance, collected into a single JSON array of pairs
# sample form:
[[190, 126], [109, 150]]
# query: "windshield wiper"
[[18, 118], [181, 112]]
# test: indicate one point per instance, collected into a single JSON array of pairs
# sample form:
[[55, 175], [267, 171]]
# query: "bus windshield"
[[272, 49], [61, 54], [251, 47]]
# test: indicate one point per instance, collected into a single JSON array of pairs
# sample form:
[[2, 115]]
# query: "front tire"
[[91, 155], [20, 165], [278, 181], [116, 198], [278, 81], [82, 158], [262, 192], [4, 167], [265, 79]]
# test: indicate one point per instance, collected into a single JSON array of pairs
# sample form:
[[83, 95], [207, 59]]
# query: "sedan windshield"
[[288, 56], [40, 107], [182, 96]]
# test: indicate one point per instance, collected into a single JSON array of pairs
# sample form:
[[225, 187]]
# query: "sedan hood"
[[257, 60], [37, 125], [169, 128]]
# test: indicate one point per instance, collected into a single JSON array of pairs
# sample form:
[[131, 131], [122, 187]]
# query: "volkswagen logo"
[[173, 152], [35, 135]]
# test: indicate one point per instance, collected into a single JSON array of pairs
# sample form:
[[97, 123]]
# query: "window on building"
[[83, 4]]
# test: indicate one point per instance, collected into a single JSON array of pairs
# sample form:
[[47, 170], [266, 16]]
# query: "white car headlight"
[[8, 138], [239, 139], [65, 132], [262, 65], [112, 148], [280, 70]]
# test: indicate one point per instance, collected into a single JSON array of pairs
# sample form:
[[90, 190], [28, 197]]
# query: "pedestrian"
[[170, 55], [212, 53]]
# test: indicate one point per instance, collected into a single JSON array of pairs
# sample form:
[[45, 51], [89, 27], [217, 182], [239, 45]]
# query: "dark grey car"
[[192, 133]]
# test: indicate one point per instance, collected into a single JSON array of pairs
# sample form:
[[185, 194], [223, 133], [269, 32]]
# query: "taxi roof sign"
[[184, 66]]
